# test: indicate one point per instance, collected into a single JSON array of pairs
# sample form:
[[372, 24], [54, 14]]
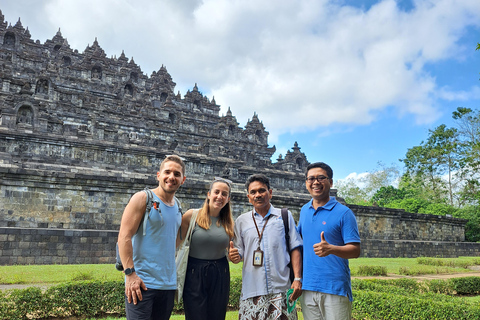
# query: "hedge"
[[382, 305], [81, 299], [373, 299]]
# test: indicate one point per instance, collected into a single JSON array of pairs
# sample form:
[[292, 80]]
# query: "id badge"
[[258, 258]]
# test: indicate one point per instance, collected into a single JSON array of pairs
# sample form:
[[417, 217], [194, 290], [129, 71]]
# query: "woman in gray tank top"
[[207, 281]]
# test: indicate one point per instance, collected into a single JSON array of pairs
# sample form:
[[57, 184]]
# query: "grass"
[[231, 315], [44, 274]]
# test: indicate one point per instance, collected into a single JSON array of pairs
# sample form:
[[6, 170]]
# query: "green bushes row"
[[78, 299], [383, 305], [441, 262], [374, 299], [410, 299], [86, 298], [371, 271], [452, 286]]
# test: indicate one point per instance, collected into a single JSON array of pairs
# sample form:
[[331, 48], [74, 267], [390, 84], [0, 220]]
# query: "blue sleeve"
[[350, 228]]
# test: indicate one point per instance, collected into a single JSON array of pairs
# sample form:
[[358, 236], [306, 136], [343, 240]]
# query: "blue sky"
[[353, 82]]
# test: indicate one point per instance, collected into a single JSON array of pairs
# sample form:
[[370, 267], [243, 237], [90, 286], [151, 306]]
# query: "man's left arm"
[[296, 243], [296, 259]]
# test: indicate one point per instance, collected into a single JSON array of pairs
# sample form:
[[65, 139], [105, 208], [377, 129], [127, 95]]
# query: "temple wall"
[[51, 217]]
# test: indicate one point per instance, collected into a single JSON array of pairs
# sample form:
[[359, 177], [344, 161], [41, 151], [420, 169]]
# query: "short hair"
[[173, 158], [260, 177], [321, 165]]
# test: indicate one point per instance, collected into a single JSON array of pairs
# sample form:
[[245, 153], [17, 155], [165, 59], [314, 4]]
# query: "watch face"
[[129, 271]]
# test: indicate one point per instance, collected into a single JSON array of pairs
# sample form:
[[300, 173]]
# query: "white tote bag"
[[181, 260]]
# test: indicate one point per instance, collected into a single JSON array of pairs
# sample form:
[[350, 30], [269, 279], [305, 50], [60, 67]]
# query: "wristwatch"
[[129, 271], [298, 279]]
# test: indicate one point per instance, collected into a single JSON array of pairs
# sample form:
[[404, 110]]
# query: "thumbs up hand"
[[233, 254], [322, 249]]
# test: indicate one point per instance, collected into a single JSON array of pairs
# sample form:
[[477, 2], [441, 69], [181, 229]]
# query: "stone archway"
[[25, 115], [9, 39]]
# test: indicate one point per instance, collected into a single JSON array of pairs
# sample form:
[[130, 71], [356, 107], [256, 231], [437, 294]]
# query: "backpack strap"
[[287, 241], [287, 229], [147, 209], [179, 205]]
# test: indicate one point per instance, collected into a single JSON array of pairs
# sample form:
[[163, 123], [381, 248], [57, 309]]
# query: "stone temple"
[[81, 132]]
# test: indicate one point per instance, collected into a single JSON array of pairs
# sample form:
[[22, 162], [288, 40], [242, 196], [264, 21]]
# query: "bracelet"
[[298, 279]]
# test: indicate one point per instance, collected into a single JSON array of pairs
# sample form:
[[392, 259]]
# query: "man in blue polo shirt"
[[330, 237]]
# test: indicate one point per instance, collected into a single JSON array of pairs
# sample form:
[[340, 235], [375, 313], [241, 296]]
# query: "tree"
[[472, 228], [386, 195], [427, 164], [468, 122], [361, 189]]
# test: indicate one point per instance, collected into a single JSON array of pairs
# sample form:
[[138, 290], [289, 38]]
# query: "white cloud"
[[297, 63]]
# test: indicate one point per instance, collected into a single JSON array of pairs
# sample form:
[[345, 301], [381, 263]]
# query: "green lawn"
[[231, 315], [39, 274]]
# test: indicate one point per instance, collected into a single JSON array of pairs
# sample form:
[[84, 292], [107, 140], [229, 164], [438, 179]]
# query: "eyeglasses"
[[229, 182], [320, 179]]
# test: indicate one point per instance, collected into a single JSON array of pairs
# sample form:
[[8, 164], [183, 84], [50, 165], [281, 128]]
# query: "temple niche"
[[25, 115], [42, 86]]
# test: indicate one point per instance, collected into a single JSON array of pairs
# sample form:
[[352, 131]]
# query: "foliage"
[[374, 299], [78, 299], [472, 228], [361, 189], [409, 299], [235, 292], [466, 286], [388, 194], [372, 271], [385, 305], [448, 262]]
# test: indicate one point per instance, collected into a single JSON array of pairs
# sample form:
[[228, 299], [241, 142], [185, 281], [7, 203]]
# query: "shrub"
[[82, 276], [235, 292], [374, 299], [372, 271], [381, 305], [439, 286], [466, 286]]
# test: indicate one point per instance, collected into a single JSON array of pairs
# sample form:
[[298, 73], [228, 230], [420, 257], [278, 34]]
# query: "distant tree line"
[[440, 176]]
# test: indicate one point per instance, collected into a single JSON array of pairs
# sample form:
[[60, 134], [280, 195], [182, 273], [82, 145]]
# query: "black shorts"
[[155, 305]]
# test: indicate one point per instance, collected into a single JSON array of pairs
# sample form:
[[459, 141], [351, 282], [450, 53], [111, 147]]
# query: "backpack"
[[149, 204], [287, 240]]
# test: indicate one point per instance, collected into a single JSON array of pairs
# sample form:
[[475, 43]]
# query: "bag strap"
[[287, 229], [191, 226], [148, 208], [179, 205]]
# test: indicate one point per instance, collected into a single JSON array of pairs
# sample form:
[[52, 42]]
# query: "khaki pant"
[[324, 306]]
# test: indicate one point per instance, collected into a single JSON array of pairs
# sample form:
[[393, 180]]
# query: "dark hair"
[[173, 158], [321, 165], [260, 177]]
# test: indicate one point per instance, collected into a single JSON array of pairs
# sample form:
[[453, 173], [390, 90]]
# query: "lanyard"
[[263, 229]]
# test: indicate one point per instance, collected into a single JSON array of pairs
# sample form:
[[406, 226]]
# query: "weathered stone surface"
[[80, 133]]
